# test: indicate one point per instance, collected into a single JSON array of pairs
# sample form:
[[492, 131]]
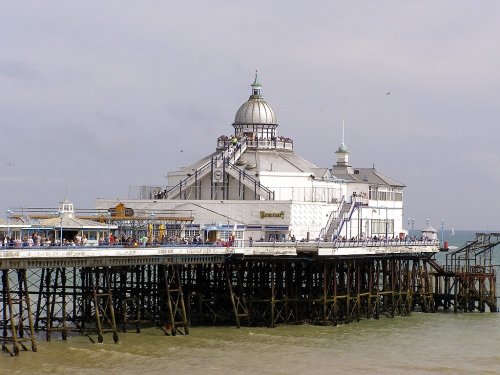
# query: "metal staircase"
[[225, 161], [468, 279], [250, 182], [337, 220]]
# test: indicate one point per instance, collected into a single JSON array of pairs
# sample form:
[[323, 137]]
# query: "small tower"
[[342, 152], [66, 208], [342, 155], [256, 87]]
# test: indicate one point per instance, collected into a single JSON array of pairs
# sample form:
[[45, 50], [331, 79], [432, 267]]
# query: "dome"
[[342, 148], [255, 110]]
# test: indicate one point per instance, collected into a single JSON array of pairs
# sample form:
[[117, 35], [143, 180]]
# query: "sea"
[[432, 343]]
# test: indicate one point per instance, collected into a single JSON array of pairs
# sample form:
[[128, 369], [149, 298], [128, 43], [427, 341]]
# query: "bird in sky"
[[388, 93]]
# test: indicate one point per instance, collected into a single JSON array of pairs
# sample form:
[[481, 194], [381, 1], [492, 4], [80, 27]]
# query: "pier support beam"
[[16, 312], [171, 294], [98, 302]]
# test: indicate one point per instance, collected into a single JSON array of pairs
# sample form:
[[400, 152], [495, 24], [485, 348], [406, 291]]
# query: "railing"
[[246, 243], [197, 174], [328, 229], [223, 144], [232, 169], [383, 242], [249, 181], [204, 169], [235, 154], [339, 219]]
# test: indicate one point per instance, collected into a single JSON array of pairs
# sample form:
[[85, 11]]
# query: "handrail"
[[231, 168], [253, 183], [333, 215], [198, 173], [353, 207]]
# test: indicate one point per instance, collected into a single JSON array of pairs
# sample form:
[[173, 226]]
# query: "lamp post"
[[108, 221], [386, 225], [8, 212], [442, 232], [61, 234]]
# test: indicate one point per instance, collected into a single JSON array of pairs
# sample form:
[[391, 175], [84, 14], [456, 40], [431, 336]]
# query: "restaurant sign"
[[264, 214]]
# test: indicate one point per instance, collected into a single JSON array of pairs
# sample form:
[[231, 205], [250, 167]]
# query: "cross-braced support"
[[16, 312], [236, 292], [98, 299], [176, 318]]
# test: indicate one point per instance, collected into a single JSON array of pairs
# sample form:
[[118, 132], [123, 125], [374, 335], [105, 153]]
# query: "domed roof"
[[342, 148], [255, 110]]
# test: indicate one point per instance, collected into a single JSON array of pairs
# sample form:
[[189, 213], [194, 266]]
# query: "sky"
[[97, 97]]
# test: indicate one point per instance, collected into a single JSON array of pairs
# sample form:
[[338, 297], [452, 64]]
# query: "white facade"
[[255, 184]]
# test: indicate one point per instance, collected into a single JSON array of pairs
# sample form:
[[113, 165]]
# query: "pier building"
[[255, 186]]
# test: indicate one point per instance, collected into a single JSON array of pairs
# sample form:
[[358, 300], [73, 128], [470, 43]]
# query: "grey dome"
[[255, 111]]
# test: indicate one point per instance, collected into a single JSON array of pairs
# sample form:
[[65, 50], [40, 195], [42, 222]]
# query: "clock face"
[[218, 175]]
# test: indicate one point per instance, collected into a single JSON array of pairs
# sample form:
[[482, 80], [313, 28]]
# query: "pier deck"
[[88, 256]]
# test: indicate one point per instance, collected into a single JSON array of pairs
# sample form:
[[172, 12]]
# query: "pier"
[[103, 291]]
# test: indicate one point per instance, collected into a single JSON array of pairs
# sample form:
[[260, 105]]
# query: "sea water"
[[434, 343]]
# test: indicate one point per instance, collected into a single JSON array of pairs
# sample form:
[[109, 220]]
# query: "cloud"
[[18, 70]]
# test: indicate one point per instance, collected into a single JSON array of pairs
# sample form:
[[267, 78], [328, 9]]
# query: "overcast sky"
[[97, 96]]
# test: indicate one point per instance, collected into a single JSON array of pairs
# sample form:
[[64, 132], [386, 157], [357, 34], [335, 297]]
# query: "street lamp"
[[8, 212], [386, 223], [61, 217], [108, 221], [442, 232]]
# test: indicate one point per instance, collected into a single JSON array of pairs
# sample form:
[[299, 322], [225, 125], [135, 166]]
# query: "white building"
[[254, 185]]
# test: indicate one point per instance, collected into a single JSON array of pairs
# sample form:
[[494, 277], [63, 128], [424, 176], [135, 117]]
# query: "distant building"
[[49, 228], [254, 185], [429, 233]]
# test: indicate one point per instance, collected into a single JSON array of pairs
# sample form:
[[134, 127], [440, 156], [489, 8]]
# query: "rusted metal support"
[[16, 312], [238, 301], [176, 311], [100, 297], [53, 311]]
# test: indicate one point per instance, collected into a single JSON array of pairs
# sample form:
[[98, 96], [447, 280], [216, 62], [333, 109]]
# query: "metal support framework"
[[16, 312], [98, 303], [467, 282], [234, 284], [176, 321], [53, 300]]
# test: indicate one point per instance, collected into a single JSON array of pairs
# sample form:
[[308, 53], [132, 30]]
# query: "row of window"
[[386, 194]]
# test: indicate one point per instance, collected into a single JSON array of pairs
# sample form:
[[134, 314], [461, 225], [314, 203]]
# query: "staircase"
[[191, 179], [225, 160], [250, 182], [234, 156], [469, 276]]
